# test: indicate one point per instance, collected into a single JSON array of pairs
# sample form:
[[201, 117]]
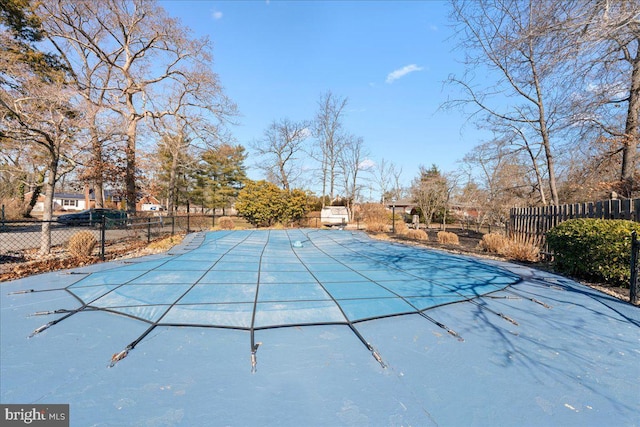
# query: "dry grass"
[[522, 249], [517, 248], [374, 212], [377, 227], [401, 227], [448, 238], [82, 243], [493, 243], [226, 223], [417, 235], [165, 244]]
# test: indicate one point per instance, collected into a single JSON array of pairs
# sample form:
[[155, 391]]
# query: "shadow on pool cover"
[[260, 279]]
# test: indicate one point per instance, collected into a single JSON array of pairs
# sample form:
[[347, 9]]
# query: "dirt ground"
[[31, 263]]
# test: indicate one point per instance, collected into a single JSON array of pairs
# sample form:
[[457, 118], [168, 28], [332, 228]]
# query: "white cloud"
[[306, 133], [216, 14], [396, 74], [366, 164]]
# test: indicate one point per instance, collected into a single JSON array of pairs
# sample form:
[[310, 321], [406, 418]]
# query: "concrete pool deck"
[[343, 330]]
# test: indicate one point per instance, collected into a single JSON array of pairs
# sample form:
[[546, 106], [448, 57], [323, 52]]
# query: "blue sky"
[[390, 59]]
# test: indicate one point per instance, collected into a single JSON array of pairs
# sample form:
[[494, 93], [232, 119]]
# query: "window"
[[67, 202]]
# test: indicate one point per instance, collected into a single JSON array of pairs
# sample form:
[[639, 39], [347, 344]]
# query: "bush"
[[522, 249], [263, 204], [401, 226], [82, 243], [377, 227], [226, 223], [374, 213], [14, 208], [594, 249], [417, 235], [448, 238], [493, 243]]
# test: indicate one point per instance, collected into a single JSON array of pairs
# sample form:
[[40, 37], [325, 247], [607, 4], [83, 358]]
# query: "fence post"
[[633, 284], [103, 226], [188, 215], [173, 225], [148, 229]]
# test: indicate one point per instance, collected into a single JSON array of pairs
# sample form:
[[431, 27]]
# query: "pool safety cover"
[[259, 279]]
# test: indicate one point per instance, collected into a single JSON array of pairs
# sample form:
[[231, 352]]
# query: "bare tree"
[[328, 130], [382, 178], [40, 114], [503, 180], [512, 39], [350, 163], [280, 147], [71, 28], [146, 58], [396, 185], [429, 192], [604, 37], [36, 107]]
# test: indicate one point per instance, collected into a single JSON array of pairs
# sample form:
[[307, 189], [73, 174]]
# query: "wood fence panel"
[[535, 222]]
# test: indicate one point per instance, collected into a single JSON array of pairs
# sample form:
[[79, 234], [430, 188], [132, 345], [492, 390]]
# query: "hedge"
[[594, 249]]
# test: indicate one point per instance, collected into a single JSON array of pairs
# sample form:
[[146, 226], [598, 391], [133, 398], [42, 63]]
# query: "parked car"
[[94, 217]]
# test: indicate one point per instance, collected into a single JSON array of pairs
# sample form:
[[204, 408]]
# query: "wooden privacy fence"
[[533, 223]]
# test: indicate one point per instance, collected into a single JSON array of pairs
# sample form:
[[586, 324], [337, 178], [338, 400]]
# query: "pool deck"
[[573, 362]]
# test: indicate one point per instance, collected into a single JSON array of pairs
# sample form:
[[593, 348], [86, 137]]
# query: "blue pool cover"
[[334, 285], [253, 280]]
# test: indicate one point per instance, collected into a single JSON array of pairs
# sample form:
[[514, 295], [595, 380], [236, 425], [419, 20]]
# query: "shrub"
[[226, 223], [417, 235], [493, 242], [14, 208], [448, 238], [593, 249], [522, 249], [401, 226], [262, 204], [82, 243], [374, 213], [377, 227]]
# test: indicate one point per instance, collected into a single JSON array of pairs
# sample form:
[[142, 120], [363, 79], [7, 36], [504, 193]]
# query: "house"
[[62, 202], [75, 201], [405, 206]]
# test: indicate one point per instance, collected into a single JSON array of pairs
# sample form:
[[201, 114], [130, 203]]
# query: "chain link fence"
[[22, 239]]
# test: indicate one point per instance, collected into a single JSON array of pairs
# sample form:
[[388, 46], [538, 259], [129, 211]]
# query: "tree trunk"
[[172, 183], [631, 131], [37, 190], [47, 213], [98, 183], [130, 169], [544, 133]]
